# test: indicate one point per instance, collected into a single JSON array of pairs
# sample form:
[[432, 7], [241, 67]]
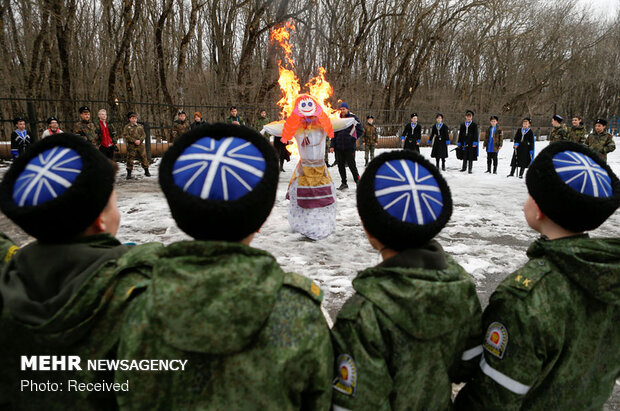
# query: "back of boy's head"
[[220, 181], [58, 188], [403, 200], [573, 186]]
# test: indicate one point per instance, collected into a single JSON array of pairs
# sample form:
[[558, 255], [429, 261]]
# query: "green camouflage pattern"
[[178, 129], [498, 139], [238, 118], [87, 130], [88, 325], [601, 144], [577, 134], [559, 133], [407, 332], [370, 139], [254, 336], [260, 123], [560, 314], [131, 133]]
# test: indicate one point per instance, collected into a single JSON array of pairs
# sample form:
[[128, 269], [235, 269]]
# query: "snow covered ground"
[[487, 233]]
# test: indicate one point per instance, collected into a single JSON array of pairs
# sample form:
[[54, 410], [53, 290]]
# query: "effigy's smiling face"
[[307, 107]]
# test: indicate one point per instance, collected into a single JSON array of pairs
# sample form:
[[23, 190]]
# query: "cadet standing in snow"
[[412, 134], [254, 336], [440, 139], [134, 137], [559, 131], [65, 293], [523, 148], [577, 132], [85, 127], [20, 139], [601, 142], [493, 141], [180, 126], [413, 324], [370, 139], [468, 142], [552, 326]]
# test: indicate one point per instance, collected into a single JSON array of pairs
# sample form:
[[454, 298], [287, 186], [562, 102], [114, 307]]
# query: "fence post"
[[147, 141], [32, 120]]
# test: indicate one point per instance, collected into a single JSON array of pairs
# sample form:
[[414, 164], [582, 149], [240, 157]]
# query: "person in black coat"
[[20, 139], [523, 148], [440, 139], [343, 145], [412, 134], [468, 142]]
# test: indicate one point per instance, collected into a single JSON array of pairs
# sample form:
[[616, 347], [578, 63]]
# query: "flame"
[[289, 83]]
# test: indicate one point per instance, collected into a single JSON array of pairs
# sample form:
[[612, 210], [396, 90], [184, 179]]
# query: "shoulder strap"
[[305, 284]]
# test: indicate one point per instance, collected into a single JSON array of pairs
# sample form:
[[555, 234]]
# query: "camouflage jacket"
[[558, 133], [240, 119], [260, 123], [370, 136], [552, 331], [411, 330], [179, 128], [577, 134], [254, 336], [67, 299], [498, 139], [132, 133], [601, 144], [87, 130]]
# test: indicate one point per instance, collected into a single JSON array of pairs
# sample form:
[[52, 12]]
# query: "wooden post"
[[32, 120]]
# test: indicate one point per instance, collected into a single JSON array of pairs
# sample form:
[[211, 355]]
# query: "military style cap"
[[220, 181], [52, 118], [413, 115], [469, 112], [370, 116], [558, 118], [181, 112], [494, 118], [55, 190], [528, 119], [18, 119], [573, 186], [403, 200], [83, 109], [601, 121]]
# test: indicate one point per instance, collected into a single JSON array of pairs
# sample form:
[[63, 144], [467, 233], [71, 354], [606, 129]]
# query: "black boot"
[[488, 166], [128, 175], [470, 166], [464, 168], [495, 169], [512, 172], [443, 165], [365, 162], [521, 171], [343, 186], [146, 172]]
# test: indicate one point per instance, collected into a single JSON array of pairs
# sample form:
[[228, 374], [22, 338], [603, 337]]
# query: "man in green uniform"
[[66, 293], [86, 128], [254, 336], [552, 326], [181, 126], [413, 326], [234, 117], [601, 142], [370, 139], [134, 137], [260, 123], [559, 131], [577, 132]]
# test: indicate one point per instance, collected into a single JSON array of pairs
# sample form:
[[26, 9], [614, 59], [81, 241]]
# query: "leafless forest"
[[505, 57]]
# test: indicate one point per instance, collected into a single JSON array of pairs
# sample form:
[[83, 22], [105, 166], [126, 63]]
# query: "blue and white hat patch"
[[582, 174], [225, 169], [47, 176], [408, 191]]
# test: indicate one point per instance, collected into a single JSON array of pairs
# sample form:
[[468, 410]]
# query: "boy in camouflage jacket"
[[601, 142], [413, 325], [66, 293], [559, 132], [370, 139], [254, 336], [552, 326]]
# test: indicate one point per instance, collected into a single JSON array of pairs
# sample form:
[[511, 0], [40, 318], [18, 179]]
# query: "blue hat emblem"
[[47, 176], [408, 192], [582, 174], [224, 169]]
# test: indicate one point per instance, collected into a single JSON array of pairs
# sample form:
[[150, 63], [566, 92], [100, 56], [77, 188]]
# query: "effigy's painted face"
[[307, 107]]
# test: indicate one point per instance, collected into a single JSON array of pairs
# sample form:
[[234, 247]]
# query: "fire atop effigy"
[[310, 120]]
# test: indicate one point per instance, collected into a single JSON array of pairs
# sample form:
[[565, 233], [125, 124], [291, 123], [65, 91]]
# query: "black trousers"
[[491, 158], [107, 151], [344, 159]]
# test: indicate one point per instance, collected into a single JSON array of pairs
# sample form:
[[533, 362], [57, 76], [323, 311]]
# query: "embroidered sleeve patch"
[[496, 339], [346, 375]]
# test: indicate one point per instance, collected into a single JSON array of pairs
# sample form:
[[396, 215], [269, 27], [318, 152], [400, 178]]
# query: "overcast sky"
[[603, 7]]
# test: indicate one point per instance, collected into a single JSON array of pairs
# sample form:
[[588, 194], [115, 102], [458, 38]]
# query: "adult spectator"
[[343, 145]]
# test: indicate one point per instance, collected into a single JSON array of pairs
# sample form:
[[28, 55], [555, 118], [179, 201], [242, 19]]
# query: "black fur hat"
[[220, 181], [573, 186], [57, 188], [403, 200]]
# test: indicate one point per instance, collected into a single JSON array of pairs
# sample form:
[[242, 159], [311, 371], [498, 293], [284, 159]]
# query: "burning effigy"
[[309, 121]]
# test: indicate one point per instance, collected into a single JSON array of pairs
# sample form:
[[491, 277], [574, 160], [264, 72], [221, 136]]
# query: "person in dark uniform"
[[523, 148], [468, 142], [412, 134], [440, 139]]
